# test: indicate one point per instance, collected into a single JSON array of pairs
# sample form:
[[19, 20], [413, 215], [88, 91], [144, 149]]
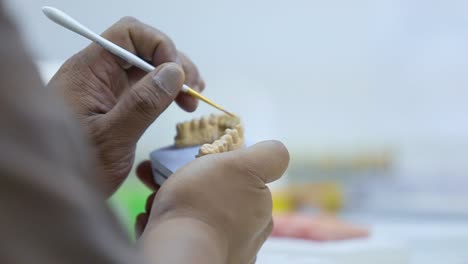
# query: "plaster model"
[[216, 134]]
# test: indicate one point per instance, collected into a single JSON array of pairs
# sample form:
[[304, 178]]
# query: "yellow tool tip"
[[223, 110], [208, 101], [229, 113]]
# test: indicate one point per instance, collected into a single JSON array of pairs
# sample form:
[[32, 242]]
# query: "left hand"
[[217, 208], [145, 173], [116, 102]]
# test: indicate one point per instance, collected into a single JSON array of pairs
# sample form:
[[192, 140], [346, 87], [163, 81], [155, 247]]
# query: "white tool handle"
[[68, 22]]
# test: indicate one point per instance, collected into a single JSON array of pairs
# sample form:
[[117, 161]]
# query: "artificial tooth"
[[204, 122], [219, 146], [194, 124], [213, 119], [229, 142], [235, 136], [239, 129]]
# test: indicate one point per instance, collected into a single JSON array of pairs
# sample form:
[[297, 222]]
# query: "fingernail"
[[169, 79]]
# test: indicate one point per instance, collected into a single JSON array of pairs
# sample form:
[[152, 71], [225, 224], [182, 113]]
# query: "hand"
[[145, 173], [115, 102], [218, 204]]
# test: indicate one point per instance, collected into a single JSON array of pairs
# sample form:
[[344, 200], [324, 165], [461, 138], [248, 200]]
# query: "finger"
[[144, 172], [193, 80], [143, 40], [187, 102], [140, 224], [192, 75], [267, 160], [145, 101], [149, 202], [202, 84], [146, 42]]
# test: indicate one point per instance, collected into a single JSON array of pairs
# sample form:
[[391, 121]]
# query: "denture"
[[215, 134]]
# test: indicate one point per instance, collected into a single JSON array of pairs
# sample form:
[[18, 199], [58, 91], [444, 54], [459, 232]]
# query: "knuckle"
[[202, 85], [269, 227], [168, 41], [247, 167], [266, 231], [146, 102], [128, 20], [122, 27]]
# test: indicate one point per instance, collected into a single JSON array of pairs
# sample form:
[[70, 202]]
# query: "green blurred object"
[[129, 201]]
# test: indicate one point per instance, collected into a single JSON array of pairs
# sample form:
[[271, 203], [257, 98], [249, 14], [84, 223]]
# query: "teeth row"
[[205, 130], [226, 120], [197, 131], [231, 140], [185, 128]]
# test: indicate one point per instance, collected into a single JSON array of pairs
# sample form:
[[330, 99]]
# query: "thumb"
[[266, 160], [146, 100]]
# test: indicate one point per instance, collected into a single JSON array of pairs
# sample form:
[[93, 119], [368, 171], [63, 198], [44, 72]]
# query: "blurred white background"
[[316, 74]]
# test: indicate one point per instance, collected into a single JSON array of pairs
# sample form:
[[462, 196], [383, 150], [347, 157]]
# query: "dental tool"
[[68, 22]]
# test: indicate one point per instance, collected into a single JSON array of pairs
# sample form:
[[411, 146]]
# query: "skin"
[[222, 194], [216, 209], [115, 102]]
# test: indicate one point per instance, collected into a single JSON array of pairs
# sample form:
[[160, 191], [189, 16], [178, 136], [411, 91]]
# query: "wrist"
[[183, 240]]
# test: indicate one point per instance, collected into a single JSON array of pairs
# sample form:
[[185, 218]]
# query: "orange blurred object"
[[322, 227]]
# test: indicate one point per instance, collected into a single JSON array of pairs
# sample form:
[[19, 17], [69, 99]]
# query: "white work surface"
[[394, 240], [359, 252]]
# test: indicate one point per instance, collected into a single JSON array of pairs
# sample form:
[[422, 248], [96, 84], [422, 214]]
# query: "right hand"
[[116, 102], [225, 197]]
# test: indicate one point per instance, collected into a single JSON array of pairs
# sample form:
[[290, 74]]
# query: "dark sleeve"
[[50, 208]]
